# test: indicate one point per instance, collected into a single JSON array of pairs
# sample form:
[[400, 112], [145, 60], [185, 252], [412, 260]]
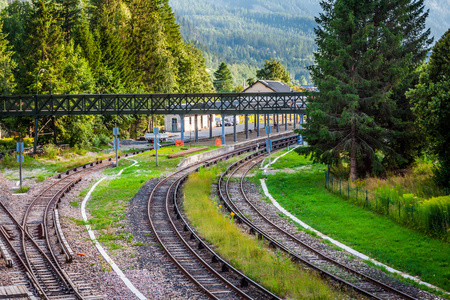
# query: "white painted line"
[[339, 244], [100, 249], [273, 161]]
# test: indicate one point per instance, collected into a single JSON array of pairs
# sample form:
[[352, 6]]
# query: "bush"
[[8, 160], [78, 149], [104, 139], [50, 151], [436, 216], [96, 142]]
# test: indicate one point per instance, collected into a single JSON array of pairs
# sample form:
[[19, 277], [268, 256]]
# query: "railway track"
[[36, 246], [233, 195], [190, 254]]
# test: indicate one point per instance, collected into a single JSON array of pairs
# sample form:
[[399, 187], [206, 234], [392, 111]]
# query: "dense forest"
[[246, 33], [103, 46]]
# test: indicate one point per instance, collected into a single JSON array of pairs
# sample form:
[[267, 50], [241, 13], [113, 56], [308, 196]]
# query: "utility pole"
[[116, 142], [20, 159], [156, 143], [268, 142]]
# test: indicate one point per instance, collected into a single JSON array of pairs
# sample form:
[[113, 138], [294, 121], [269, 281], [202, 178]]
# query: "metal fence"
[[434, 221]]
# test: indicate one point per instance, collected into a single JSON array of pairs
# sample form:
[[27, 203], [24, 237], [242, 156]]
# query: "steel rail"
[[239, 217], [184, 170], [34, 282], [244, 279], [159, 239], [53, 260], [242, 217], [368, 278]]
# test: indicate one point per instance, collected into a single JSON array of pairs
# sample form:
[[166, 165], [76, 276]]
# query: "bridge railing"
[[148, 104]]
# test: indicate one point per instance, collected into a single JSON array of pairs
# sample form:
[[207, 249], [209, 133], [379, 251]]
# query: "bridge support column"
[[278, 122], [295, 120], [301, 121], [54, 129], [265, 120], [210, 126], [285, 122], [196, 127], [234, 129], [182, 127], [36, 122], [246, 127], [257, 125], [223, 129], [254, 121]]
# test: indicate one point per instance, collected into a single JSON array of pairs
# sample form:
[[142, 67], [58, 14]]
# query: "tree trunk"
[[353, 161]]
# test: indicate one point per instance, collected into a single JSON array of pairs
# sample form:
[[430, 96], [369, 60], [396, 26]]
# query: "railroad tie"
[[5, 254], [13, 291]]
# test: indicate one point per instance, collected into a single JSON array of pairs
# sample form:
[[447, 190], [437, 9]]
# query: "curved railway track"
[[190, 254], [236, 200], [38, 245]]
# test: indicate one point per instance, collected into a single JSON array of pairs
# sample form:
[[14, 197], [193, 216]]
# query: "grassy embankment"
[[51, 162], [273, 270], [111, 197], [303, 194]]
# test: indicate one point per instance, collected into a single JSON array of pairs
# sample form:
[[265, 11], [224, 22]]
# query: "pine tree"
[[7, 65], [224, 81], [364, 53], [44, 51], [148, 43], [70, 16], [109, 23], [273, 70]]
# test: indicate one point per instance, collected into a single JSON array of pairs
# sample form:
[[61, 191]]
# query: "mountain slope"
[[244, 33]]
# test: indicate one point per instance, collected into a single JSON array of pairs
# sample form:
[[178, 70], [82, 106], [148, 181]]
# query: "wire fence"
[[431, 217]]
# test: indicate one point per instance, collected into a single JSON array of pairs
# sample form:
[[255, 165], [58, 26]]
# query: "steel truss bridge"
[[153, 104], [39, 106]]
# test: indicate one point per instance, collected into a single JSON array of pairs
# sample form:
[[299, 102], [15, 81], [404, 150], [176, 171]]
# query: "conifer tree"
[[273, 70], [109, 23], [365, 50], [70, 16], [153, 61], [224, 81], [7, 65], [44, 49]]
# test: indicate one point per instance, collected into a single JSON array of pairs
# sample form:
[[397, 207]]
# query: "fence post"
[[356, 193], [367, 199]]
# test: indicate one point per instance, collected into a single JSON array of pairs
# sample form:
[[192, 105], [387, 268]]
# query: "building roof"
[[276, 86]]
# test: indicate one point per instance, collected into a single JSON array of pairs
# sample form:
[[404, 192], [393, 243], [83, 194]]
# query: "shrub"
[[96, 142], [104, 139], [50, 151], [436, 216], [78, 149], [8, 160]]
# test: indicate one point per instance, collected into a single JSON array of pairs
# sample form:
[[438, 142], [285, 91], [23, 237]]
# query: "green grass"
[[304, 195], [22, 190], [273, 270], [111, 198]]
